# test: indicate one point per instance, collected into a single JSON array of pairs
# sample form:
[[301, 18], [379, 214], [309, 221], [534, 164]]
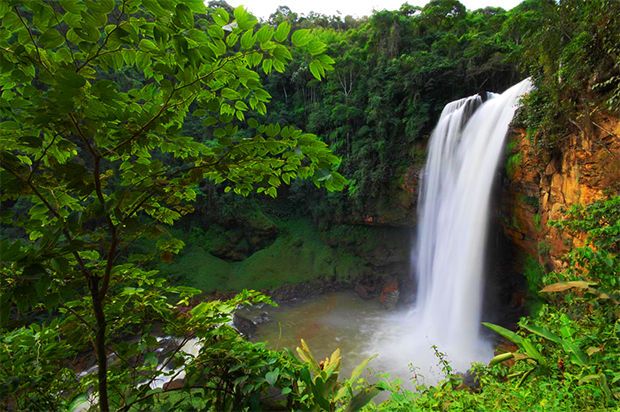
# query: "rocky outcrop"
[[540, 187]]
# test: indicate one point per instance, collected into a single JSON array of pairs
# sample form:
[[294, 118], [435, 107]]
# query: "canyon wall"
[[539, 187]]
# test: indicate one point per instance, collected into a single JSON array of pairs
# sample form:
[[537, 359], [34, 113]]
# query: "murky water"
[[360, 328], [336, 320]]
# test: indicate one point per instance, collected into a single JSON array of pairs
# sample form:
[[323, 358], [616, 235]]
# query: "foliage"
[[117, 116], [597, 259], [95, 157], [573, 57], [321, 383], [298, 254], [394, 72], [512, 164], [566, 353]]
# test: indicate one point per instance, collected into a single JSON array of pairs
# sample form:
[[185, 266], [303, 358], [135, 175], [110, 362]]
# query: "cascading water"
[[464, 153]]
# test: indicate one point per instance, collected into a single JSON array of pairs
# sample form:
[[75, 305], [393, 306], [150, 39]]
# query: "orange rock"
[[587, 168]]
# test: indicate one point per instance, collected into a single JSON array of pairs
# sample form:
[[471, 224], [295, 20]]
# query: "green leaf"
[[508, 334], [154, 7], [316, 47], [316, 69], [544, 333], [88, 32], [532, 352], [218, 47], [216, 32], [361, 399], [184, 16], [220, 16], [244, 19], [71, 79], [282, 31], [72, 6], [282, 53], [196, 6], [229, 93], [264, 34], [25, 159], [325, 59], [101, 6], [247, 40], [51, 39], [501, 358], [578, 356], [148, 45], [357, 372], [78, 403], [267, 64], [301, 37], [272, 377]]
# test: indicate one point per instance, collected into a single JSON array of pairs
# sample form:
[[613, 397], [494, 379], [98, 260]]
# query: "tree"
[[94, 157]]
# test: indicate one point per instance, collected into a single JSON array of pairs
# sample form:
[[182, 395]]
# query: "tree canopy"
[[94, 97]]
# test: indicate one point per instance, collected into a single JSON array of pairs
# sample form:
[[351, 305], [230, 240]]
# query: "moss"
[[530, 134], [512, 164], [297, 255], [531, 201], [533, 272], [543, 248], [537, 222], [198, 268]]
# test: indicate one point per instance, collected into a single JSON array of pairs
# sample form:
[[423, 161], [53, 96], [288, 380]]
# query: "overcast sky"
[[357, 8]]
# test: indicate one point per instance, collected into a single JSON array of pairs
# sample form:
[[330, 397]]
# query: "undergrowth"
[[567, 351]]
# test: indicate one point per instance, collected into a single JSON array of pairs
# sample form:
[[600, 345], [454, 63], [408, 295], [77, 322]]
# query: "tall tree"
[[94, 157]]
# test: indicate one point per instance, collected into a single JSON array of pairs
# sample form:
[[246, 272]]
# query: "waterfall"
[[464, 152], [454, 201]]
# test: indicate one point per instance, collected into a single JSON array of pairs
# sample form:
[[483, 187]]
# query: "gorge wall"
[[539, 187]]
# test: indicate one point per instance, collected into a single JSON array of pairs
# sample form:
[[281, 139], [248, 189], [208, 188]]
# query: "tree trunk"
[[102, 358]]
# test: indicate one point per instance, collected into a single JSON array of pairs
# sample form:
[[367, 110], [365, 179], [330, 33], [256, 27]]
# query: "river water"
[[334, 320]]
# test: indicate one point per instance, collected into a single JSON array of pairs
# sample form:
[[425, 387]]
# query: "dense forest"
[[150, 148]]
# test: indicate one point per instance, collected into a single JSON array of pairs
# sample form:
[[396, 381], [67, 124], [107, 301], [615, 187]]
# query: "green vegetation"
[[297, 255], [125, 123], [95, 157], [567, 351], [513, 163], [573, 58], [394, 72]]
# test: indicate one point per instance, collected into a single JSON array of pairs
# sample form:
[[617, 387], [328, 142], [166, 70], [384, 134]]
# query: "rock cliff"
[[539, 187]]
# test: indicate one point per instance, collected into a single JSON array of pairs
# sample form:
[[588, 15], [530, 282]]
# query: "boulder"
[[390, 294]]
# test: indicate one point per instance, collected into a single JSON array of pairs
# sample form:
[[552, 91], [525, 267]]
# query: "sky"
[[357, 8]]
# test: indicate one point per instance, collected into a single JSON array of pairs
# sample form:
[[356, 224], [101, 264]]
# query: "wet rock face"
[[542, 188], [400, 207]]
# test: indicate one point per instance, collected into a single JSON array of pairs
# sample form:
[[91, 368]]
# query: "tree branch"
[[105, 41], [37, 162], [56, 214], [31, 37], [165, 106]]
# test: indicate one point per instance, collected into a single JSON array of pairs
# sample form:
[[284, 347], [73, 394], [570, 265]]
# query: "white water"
[[464, 153]]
